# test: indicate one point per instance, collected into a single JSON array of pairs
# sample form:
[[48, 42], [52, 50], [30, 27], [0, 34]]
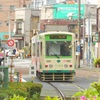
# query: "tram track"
[[62, 96]]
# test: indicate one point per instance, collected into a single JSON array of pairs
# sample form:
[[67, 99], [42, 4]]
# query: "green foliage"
[[2, 96], [36, 96], [50, 98], [96, 85], [17, 97], [26, 90], [97, 61], [91, 92]]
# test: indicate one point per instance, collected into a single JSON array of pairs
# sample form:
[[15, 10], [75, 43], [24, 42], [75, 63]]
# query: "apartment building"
[[7, 16]]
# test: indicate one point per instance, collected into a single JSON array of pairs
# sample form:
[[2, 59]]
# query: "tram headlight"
[[70, 65], [65, 65], [50, 65]]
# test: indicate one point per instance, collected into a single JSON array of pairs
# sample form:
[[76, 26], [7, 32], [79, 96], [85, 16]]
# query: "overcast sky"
[[92, 1]]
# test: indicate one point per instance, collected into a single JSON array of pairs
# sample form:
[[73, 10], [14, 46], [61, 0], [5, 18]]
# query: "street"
[[84, 77]]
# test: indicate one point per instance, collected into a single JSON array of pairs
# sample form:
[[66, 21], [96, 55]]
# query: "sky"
[[92, 1]]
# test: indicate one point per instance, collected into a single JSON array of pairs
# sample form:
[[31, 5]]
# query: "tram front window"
[[58, 48]]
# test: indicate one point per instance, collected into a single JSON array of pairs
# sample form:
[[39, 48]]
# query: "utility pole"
[[83, 39], [89, 38], [79, 31], [89, 56], [9, 26]]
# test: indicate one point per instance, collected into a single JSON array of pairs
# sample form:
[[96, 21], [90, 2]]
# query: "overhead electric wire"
[[51, 13]]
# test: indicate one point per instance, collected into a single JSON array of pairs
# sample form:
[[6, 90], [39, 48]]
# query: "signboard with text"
[[64, 11]]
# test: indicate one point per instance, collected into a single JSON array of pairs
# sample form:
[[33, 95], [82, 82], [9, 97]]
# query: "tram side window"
[[33, 49], [40, 48]]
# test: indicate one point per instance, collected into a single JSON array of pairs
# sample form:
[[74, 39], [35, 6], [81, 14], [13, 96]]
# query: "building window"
[[7, 23], [0, 23], [19, 28], [19, 31], [76, 1], [0, 7], [93, 28], [21, 44], [12, 7], [72, 28], [19, 25], [51, 1]]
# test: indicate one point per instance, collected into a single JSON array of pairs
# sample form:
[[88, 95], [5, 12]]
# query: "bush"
[[50, 98], [2, 96], [17, 97], [25, 89], [97, 62], [92, 93]]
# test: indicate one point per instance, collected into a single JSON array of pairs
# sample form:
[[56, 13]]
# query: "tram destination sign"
[[58, 36]]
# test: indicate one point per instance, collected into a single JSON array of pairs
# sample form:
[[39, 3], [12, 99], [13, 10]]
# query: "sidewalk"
[[87, 71]]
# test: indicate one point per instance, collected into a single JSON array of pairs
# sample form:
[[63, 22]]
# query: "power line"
[[51, 13]]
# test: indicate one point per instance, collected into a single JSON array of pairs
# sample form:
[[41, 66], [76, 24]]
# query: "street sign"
[[78, 48], [10, 42]]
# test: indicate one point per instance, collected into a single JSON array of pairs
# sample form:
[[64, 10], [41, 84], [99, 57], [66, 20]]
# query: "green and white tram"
[[53, 55]]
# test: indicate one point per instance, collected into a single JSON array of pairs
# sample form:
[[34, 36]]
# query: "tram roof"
[[54, 32]]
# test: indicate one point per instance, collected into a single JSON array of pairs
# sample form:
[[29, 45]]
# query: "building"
[[98, 28], [7, 16], [26, 24]]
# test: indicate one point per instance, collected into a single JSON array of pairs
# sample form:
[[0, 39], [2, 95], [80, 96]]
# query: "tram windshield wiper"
[[56, 55]]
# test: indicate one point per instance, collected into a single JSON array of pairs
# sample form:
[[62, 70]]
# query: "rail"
[[62, 96]]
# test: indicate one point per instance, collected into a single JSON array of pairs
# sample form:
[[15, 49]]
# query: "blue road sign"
[[78, 48]]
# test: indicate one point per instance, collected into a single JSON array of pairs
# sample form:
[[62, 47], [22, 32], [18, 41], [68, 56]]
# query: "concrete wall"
[[57, 23], [46, 13], [27, 25], [25, 14]]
